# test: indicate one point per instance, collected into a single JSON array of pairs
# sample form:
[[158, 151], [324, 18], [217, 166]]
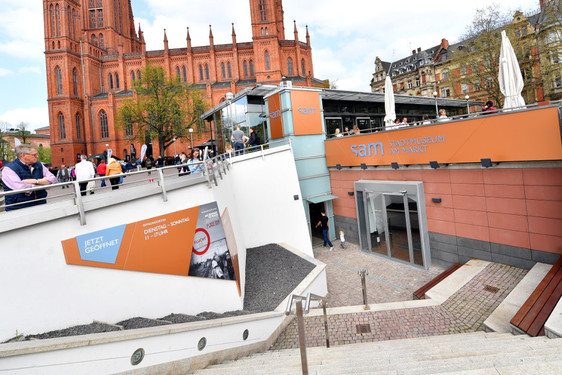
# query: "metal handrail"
[[300, 321]]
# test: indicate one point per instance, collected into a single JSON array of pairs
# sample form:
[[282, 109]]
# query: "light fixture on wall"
[[296, 197], [394, 165], [351, 193], [338, 167], [486, 163], [363, 166], [434, 164]]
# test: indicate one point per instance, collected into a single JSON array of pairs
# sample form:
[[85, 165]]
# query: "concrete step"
[[475, 353]]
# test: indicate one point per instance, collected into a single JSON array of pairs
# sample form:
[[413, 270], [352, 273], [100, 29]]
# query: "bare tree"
[[22, 132]]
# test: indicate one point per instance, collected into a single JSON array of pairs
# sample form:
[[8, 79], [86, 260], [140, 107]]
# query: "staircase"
[[471, 353]]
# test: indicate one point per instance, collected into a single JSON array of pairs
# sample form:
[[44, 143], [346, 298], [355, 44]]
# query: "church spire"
[[233, 34], [307, 36], [165, 41], [211, 38], [296, 31], [188, 39]]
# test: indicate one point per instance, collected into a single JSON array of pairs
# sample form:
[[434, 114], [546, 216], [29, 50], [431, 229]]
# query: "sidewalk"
[[464, 311]]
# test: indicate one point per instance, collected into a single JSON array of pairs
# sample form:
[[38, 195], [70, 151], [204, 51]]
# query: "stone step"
[[464, 354]]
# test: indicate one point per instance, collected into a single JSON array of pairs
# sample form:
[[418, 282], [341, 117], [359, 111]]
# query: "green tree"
[[164, 108], [5, 153], [45, 155], [22, 132]]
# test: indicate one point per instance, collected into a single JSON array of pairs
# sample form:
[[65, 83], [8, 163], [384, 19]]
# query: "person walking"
[[113, 168], [101, 171], [84, 171], [254, 140], [239, 139], [63, 175], [324, 222]]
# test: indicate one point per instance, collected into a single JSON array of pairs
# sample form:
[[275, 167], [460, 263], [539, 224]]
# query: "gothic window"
[[100, 18], [132, 76], [290, 66], [178, 74], [263, 14], [303, 68], [251, 68], [68, 21], [206, 72], [94, 40], [58, 80], [72, 23], [101, 41], [53, 23], [129, 130], [75, 81], [62, 127], [229, 70], [92, 19], [57, 12], [103, 125], [267, 65], [110, 81], [78, 126], [184, 71], [116, 80], [223, 71], [266, 31], [95, 9], [245, 68], [139, 76], [201, 73]]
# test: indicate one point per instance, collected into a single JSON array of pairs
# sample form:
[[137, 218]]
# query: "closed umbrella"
[[510, 78], [389, 103]]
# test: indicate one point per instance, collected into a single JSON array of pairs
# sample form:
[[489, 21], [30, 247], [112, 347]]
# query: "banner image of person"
[[211, 257]]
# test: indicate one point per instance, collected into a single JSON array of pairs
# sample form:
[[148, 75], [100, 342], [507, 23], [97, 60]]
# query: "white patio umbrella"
[[510, 78], [389, 103]]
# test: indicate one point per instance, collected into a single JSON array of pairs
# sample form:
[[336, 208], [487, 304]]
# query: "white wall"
[[40, 292]]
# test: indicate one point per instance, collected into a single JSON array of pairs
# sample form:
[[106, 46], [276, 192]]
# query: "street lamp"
[[436, 107], [467, 107], [191, 136], [174, 139]]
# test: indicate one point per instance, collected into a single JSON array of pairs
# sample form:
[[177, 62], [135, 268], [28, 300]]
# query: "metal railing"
[[300, 311]]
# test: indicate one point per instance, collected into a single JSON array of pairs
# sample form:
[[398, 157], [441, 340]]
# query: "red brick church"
[[94, 54]]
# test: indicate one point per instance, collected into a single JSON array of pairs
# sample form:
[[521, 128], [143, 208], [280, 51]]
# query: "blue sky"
[[345, 39]]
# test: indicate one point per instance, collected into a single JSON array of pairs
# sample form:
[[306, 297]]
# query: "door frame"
[[405, 189]]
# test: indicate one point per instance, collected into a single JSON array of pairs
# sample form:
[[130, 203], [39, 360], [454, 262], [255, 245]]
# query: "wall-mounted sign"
[[307, 116], [189, 242], [518, 136], [275, 117]]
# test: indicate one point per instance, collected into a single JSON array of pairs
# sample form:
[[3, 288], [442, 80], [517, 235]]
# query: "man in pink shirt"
[[23, 173]]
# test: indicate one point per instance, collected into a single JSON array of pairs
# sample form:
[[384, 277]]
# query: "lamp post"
[[467, 107], [229, 96], [191, 136], [174, 139], [436, 107]]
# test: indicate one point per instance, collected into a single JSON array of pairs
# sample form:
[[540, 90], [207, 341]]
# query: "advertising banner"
[[307, 117], [190, 242], [275, 118]]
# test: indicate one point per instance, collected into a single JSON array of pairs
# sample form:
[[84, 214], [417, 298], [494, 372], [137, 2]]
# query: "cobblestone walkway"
[[465, 311]]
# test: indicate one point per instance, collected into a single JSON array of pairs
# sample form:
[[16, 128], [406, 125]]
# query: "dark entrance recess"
[[315, 210]]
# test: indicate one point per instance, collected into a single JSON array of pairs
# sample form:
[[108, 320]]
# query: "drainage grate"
[[363, 328], [491, 289]]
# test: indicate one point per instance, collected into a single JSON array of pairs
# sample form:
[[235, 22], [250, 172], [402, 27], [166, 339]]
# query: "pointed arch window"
[[62, 126], [94, 40], [117, 80], [267, 66], [75, 82], [110, 81], [132, 76], [78, 126], [72, 24], [290, 66], [303, 67], [101, 41], [223, 71], [251, 68], [129, 130], [245, 68], [103, 124], [57, 13], [58, 80], [178, 74], [229, 70], [206, 72], [139, 76], [53, 22], [262, 10], [201, 73], [184, 71], [69, 21]]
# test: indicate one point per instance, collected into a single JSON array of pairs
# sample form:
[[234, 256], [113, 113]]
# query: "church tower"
[[267, 32]]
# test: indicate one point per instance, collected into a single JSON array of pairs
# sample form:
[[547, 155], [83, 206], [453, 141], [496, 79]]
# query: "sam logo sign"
[[275, 114], [307, 111], [368, 149]]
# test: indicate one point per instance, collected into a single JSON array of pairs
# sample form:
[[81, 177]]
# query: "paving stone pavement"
[[464, 311]]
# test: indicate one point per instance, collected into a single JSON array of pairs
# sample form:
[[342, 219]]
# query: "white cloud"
[[35, 117], [29, 69], [5, 72], [21, 29]]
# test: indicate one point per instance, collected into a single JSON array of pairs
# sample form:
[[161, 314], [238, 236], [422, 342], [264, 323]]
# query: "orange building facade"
[[94, 54]]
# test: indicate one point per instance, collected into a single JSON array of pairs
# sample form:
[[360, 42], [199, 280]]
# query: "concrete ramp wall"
[[40, 292]]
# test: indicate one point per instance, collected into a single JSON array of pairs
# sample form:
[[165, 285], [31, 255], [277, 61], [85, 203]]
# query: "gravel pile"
[[272, 273]]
